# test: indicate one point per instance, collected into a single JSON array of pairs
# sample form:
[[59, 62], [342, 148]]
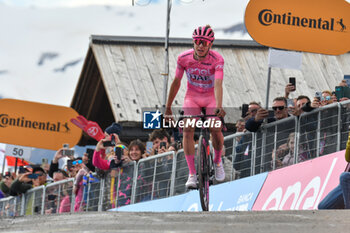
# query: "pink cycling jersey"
[[201, 76]]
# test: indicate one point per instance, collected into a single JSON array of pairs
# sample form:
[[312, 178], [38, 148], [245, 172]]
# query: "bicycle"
[[205, 165]]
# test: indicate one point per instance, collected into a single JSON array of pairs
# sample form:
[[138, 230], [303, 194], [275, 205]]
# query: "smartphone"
[[119, 152], [290, 103], [162, 144], [90, 153], [51, 197], [66, 151], [149, 146], [69, 164], [33, 176], [347, 79], [109, 143], [292, 81], [22, 170], [244, 110], [318, 95]]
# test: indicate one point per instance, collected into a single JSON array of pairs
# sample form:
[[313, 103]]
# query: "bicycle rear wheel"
[[203, 172]]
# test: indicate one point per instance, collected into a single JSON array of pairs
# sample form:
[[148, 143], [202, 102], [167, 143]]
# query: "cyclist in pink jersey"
[[204, 70]]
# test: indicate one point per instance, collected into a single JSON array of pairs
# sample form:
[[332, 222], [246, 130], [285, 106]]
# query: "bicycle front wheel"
[[203, 172]]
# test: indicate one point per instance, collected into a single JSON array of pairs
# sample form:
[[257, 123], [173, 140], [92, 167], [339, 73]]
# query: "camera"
[[66, 151], [118, 152], [70, 164], [245, 108], [109, 143], [33, 176], [162, 144], [292, 81]]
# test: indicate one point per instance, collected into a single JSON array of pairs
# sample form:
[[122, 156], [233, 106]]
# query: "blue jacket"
[[253, 126]]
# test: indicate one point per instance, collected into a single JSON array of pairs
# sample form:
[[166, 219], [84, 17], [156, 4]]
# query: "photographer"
[[28, 180], [160, 139], [280, 110], [5, 184], [99, 158], [61, 153]]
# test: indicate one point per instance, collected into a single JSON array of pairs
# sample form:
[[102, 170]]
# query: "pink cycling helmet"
[[204, 32]]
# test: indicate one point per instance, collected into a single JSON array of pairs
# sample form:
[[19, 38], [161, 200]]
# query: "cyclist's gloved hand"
[[220, 112]]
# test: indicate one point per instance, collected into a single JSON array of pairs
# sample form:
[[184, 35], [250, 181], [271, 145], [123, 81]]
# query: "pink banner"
[[301, 186]]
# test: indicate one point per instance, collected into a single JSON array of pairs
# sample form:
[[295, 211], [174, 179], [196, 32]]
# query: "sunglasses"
[[278, 107], [77, 162], [203, 42], [326, 98]]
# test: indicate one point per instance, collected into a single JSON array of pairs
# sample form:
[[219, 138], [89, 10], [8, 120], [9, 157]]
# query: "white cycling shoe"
[[191, 182], [219, 172]]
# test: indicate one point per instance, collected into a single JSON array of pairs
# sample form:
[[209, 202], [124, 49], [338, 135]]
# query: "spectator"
[[252, 110], [5, 184], [240, 126], [55, 161], [52, 194], [137, 150], [60, 175], [99, 158], [326, 98], [303, 104], [24, 183], [159, 137], [135, 153], [284, 155], [279, 107], [78, 184]]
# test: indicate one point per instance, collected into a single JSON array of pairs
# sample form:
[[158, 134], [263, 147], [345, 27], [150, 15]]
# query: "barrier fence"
[[278, 144]]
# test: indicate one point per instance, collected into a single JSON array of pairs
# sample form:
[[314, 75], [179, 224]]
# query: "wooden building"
[[121, 76]]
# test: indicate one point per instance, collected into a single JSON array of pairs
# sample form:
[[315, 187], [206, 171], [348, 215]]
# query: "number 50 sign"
[[18, 151]]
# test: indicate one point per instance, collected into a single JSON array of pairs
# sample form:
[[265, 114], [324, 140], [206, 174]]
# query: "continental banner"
[[37, 125], [317, 26]]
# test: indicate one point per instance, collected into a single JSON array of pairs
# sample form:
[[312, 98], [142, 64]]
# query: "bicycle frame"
[[205, 167]]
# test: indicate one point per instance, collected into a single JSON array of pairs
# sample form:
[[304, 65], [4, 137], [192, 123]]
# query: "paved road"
[[213, 222]]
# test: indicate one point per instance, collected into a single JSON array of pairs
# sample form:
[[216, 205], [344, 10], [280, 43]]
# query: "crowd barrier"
[[320, 132]]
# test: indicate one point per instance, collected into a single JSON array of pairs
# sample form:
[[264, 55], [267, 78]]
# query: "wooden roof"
[[122, 75]]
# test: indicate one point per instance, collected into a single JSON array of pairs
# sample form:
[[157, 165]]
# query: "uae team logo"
[[151, 119]]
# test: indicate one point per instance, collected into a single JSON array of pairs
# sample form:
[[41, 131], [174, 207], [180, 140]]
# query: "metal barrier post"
[[253, 159], [154, 177], [43, 200], [58, 199], [23, 205], [172, 178], [117, 190], [318, 132], [274, 148], [134, 183], [263, 147], [100, 200], [296, 141], [339, 127]]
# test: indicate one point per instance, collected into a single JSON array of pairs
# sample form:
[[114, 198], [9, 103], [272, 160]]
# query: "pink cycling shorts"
[[194, 102]]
